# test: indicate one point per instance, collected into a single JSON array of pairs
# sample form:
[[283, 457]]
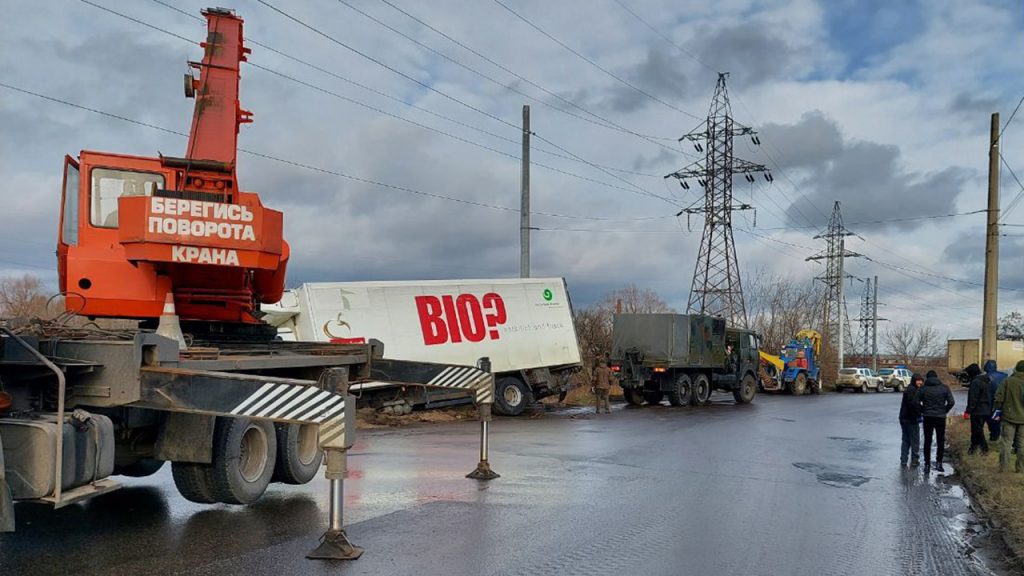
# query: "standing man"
[[935, 400], [910, 423], [1010, 411], [603, 377], [995, 378], [979, 407]]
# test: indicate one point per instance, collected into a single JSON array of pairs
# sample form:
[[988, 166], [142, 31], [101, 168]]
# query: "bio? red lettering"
[[471, 318], [435, 330], [495, 315]]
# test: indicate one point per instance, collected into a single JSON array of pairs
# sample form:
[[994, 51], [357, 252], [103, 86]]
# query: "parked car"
[[859, 379], [896, 378]]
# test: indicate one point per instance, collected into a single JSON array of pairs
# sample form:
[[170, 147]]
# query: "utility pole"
[[836, 319], [524, 189], [874, 328], [991, 306], [716, 288]]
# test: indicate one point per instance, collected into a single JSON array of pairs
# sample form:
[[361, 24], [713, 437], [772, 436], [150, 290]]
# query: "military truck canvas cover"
[[670, 339]]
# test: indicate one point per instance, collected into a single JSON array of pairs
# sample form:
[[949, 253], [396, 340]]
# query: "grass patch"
[[1000, 494]]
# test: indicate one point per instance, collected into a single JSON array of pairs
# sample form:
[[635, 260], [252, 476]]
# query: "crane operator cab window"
[[108, 185]]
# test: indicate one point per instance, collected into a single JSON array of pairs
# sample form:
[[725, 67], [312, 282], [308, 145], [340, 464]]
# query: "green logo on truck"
[[548, 294]]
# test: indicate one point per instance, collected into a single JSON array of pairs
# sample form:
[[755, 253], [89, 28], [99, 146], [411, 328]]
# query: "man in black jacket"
[[935, 400], [910, 416], [979, 407]]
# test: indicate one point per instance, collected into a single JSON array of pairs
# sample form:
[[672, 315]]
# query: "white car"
[[896, 378], [859, 379]]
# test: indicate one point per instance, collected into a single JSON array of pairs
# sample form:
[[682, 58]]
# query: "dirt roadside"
[[1000, 495]]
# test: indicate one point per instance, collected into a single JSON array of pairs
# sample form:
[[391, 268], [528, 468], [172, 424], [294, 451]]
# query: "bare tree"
[[779, 306], [1011, 326], [23, 297], [635, 300], [913, 344]]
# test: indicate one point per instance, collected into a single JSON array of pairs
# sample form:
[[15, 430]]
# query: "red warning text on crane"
[[463, 317]]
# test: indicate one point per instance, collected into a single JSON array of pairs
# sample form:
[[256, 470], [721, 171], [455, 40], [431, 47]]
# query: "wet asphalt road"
[[785, 486]]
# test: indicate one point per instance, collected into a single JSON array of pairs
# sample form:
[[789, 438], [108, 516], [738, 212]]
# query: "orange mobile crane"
[[136, 229], [175, 240]]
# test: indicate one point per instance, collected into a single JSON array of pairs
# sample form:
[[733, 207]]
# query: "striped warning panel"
[[274, 401], [466, 378]]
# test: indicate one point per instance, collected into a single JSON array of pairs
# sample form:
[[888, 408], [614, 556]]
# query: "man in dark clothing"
[[910, 423], [935, 400], [979, 407], [995, 378]]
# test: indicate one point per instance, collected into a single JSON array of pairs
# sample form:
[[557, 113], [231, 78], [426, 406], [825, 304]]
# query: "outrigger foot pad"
[[335, 545], [483, 472]]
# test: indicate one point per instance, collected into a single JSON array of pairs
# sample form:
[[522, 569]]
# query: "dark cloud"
[[972, 105], [660, 74], [751, 53], [867, 177]]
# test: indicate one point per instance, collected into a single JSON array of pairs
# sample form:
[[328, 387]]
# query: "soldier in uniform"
[[603, 377]]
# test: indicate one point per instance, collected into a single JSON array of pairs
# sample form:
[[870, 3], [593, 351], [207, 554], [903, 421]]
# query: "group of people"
[[993, 400]]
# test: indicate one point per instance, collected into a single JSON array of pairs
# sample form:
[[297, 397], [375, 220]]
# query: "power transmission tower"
[[869, 322], [716, 288], [836, 318], [865, 321]]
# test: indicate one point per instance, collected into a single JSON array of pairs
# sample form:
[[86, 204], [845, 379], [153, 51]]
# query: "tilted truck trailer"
[[683, 357], [525, 327], [961, 353]]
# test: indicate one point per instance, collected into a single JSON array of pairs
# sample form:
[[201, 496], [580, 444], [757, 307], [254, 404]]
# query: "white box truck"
[[525, 326]]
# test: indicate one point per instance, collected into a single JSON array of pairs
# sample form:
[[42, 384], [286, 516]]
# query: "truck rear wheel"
[[701, 390], [244, 452], [744, 394], [633, 396], [799, 384], [193, 482], [511, 396], [682, 392], [298, 453], [653, 396]]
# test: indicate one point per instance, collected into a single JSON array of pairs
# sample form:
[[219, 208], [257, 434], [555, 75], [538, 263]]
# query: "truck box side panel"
[[662, 338], [520, 324]]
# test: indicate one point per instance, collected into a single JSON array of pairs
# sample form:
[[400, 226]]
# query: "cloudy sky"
[[881, 105]]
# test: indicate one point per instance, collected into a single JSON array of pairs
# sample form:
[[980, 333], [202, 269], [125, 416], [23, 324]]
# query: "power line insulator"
[[698, 146], [684, 184]]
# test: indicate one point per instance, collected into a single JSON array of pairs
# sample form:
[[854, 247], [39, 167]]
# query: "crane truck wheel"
[[682, 391], [193, 482], [701, 390], [511, 396], [744, 394], [799, 385], [244, 452], [633, 396], [298, 454]]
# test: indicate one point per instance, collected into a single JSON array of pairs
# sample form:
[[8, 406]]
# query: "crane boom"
[[135, 229]]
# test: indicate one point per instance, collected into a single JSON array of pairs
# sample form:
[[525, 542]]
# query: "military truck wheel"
[[511, 396], [863, 387], [701, 390], [653, 396], [747, 389], [298, 453], [140, 468], [244, 452], [799, 384], [633, 396], [193, 482], [682, 393]]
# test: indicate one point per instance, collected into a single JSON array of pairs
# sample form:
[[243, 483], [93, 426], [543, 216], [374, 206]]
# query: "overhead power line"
[[593, 63], [325, 170], [634, 188]]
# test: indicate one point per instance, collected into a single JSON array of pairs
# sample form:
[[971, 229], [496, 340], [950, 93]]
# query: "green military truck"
[[682, 357]]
